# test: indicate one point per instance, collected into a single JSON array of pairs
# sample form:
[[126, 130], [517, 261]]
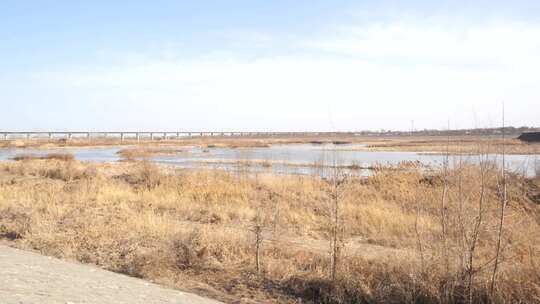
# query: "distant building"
[[530, 137]]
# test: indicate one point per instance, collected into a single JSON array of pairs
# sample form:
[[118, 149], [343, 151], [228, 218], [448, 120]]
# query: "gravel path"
[[27, 277]]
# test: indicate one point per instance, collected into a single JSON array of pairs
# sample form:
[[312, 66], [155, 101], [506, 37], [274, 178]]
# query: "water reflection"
[[289, 159]]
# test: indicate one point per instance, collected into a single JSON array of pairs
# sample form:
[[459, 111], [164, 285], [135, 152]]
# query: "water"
[[291, 159]]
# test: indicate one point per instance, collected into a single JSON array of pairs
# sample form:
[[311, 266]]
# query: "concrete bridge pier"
[[151, 136], [5, 136], [70, 136], [121, 136], [137, 136]]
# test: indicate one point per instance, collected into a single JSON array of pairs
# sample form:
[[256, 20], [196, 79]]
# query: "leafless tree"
[[337, 180], [257, 229], [472, 238], [443, 211], [503, 202]]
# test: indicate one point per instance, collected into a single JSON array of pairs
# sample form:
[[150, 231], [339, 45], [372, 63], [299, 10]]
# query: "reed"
[[56, 156], [194, 230]]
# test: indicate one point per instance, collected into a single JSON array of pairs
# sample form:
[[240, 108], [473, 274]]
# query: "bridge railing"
[[137, 135]]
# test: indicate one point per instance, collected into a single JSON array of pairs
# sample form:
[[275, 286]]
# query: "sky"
[[267, 65]]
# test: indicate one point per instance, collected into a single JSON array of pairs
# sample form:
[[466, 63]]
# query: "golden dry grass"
[[193, 230]]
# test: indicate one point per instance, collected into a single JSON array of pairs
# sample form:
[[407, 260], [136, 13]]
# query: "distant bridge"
[[151, 135]]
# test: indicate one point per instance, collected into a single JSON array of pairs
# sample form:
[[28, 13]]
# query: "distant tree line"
[[456, 132]]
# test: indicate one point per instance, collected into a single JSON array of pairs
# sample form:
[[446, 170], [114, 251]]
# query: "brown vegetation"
[[265, 163], [453, 145], [143, 152], [207, 231], [57, 156], [435, 144]]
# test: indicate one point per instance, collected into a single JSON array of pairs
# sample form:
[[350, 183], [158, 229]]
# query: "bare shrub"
[[146, 175], [54, 166], [130, 256], [134, 264], [22, 157], [59, 156], [266, 164], [322, 290], [13, 224], [63, 170], [189, 250]]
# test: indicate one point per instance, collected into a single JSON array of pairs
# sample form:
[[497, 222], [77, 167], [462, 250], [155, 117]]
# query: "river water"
[[291, 159]]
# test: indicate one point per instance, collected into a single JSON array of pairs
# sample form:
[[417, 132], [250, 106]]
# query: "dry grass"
[[144, 152], [57, 156], [193, 230], [453, 145], [266, 163]]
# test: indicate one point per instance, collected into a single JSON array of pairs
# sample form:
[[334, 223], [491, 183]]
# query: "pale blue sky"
[[267, 65]]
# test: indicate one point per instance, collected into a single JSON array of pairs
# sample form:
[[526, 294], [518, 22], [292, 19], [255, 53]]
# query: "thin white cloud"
[[367, 77], [247, 38], [496, 43]]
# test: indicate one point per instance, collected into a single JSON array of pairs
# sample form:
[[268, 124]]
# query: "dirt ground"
[[27, 277]]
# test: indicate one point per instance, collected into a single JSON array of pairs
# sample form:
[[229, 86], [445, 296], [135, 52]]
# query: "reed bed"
[[399, 236]]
